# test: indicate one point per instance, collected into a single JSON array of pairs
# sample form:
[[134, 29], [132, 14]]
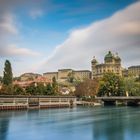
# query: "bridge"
[[130, 100]]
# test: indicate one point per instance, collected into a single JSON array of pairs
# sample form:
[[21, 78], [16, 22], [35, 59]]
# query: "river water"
[[80, 123]]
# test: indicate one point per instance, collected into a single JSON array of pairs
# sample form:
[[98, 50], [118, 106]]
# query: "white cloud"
[[35, 13], [7, 24], [13, 50], [119, 33]]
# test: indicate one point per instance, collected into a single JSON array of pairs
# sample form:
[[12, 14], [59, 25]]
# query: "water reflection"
[[100, 123]]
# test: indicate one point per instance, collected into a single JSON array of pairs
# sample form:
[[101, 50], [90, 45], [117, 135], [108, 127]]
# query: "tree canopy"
[[87, 88], [7, 74], [111, 85]]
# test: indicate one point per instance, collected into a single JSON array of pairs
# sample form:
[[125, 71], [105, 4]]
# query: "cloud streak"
[[118, 33], [13, 50], [9, 28]]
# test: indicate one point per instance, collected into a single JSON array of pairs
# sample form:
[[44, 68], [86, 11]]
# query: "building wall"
[[83, 74], [50, 75], [134, 71], [63, 74]]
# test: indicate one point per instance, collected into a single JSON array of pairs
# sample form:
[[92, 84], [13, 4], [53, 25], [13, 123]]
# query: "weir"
[[36, 102]]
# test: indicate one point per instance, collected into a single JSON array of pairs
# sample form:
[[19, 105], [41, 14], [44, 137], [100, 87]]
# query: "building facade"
[[63, 74], [50, 75], [112, 63], [29, 76], [134, 71], [82, 74]]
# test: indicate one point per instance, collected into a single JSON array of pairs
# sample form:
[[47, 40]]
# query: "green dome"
[[109, 56]]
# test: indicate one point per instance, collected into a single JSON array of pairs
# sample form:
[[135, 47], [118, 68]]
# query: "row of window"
[[103, 71]]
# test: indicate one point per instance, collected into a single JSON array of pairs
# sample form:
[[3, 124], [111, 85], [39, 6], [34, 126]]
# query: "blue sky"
[[33, 32]]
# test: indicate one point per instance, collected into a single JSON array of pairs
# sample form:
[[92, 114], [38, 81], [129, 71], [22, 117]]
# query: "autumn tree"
[[87, 88]]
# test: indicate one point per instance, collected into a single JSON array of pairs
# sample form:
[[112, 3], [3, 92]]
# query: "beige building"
[[134, 71], [125, 72], [29, 76], [112, 63], [63, 74], [50, 75], [82, 74]]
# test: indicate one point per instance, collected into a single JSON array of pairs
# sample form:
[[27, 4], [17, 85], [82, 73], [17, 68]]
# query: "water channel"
[[79, 123]]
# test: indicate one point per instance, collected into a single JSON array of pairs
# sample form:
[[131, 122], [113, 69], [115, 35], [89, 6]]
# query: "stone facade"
[[29, 76], [112, 63], [82, 74], [134, 71], [50, 75], [63, 74]]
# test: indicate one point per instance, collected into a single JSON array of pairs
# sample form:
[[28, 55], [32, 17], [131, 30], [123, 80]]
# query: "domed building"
[[112, 63]]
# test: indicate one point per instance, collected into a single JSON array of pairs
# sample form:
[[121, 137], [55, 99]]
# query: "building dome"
[[109, 57], [94, 61], [117, 58]]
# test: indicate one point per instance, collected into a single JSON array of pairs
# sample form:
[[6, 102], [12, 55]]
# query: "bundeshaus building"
[[112, 63]]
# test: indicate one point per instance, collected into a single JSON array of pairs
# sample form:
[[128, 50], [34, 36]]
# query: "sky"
[[46, 35]]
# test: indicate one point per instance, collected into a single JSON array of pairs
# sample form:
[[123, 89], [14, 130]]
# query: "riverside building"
[[63, 74], [134, 71], [112, 63]]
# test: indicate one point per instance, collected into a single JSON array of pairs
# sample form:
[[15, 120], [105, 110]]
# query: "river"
[[79, 123]]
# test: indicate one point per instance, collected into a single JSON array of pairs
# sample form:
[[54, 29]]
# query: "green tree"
[[31, 89], [54, 86], [17, 90], [1, 79], [48, 89], [111, 85], [132, 87], [40, 89], [7, 74]]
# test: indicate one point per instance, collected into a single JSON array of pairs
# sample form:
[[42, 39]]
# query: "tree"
[[1, 79], [132, 87], [7, 90], [111, 85], [54, 86], [48, 89], [40, 88], [31, 89], [71, 77], [7, 74], [17, 90], [87, 88]]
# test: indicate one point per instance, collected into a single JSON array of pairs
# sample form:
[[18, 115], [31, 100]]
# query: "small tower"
[[117, 59], [93, 66]]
